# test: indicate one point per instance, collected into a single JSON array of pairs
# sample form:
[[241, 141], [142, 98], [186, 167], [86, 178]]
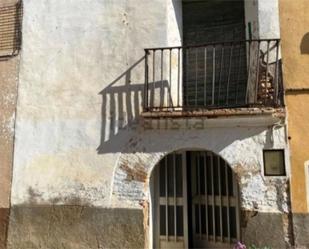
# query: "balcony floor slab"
[[244, 117]]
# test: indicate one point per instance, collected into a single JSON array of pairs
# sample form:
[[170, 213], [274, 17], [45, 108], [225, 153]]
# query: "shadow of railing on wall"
[[122, 104]]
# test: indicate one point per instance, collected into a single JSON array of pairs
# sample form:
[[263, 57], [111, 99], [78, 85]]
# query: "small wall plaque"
[[274, 163]]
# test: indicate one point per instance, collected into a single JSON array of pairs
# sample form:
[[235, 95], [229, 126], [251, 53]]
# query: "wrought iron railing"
[[10, 29], [214, 75]]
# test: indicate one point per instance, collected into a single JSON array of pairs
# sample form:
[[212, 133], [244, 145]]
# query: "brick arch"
[[131, 176], [133, 170]]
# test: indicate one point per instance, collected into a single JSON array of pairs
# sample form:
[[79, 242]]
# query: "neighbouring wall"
[[295, 43], [294, 29], [8, 94]]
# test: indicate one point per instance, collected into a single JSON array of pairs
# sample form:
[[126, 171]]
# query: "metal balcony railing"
[[214, 75]]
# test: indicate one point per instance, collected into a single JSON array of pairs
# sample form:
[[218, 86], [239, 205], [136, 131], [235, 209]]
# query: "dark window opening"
[[214, 75]]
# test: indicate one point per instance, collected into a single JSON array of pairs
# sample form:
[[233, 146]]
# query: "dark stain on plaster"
[[35, 198], [33, 195], [239, 170], [287, 221], [280, 190], [246, 215], [72, 200], [243, 172]]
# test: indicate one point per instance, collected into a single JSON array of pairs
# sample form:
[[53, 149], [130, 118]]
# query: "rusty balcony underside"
[[240, 75]]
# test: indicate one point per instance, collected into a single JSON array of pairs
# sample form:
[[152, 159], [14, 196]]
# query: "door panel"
[[171, 195], [215, 215]]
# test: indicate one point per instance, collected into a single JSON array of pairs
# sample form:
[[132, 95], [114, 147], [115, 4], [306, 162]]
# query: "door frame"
[[154, 228]]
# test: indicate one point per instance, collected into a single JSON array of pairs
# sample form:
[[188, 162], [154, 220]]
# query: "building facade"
[[151, 124]]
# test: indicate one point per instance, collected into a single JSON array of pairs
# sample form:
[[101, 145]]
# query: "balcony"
[[244, 76]]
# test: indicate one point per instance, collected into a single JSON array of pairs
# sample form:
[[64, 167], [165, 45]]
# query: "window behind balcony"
[[214, 76]]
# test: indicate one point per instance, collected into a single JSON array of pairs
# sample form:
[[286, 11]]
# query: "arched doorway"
[[195, 202]]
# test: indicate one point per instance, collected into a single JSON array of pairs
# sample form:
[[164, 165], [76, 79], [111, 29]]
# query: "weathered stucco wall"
[[67, 61], [79, 136], [263, 199], [269, 27], [242, 147], [264, 18], [78, 57]]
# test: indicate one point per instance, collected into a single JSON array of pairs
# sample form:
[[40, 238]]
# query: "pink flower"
[[240, 245]]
